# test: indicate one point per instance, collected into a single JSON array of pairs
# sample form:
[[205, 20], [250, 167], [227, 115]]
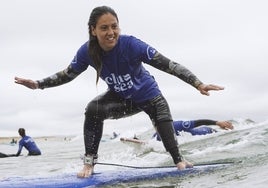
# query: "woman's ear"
[[93, 31]]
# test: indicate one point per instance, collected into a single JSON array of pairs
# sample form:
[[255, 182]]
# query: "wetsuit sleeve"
[[201, 122], [59, 78], [164, 64]]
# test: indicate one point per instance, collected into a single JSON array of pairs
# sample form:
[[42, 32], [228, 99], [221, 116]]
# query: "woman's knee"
[[94, 110]]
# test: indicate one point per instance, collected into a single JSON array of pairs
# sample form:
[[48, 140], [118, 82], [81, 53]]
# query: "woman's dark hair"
[[95, 50], [21, 131]]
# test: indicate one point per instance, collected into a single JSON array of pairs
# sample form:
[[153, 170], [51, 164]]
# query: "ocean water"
[[246, 145]]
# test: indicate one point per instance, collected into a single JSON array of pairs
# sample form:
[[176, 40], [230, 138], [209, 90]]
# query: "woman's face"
[[107, 31]]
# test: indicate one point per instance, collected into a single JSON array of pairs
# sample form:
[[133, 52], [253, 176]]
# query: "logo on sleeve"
[[186, 124], [150, 52]]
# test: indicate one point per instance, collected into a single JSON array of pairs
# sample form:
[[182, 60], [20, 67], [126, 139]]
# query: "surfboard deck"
[[106, 177]]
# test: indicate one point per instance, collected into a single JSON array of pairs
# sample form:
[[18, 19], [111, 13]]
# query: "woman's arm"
[[57, 79], [222, 124], [162, 63], [201, 122], [19, 150]]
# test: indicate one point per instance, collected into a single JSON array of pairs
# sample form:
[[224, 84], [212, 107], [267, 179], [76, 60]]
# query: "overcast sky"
[[223, 42]]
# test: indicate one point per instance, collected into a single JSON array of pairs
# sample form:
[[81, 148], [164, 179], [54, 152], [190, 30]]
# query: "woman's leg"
[[105, 106], [159, 112]]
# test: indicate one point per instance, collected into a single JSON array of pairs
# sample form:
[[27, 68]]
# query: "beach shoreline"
[[10, 139]]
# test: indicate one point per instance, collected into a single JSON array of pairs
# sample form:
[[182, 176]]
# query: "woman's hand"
[[204, 89], [26, 82], [225, 125]]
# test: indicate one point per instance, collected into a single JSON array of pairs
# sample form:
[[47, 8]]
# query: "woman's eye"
[[103, 28], [114, 27]]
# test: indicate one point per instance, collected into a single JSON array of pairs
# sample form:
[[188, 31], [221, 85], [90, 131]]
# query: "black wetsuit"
[[3, 155]]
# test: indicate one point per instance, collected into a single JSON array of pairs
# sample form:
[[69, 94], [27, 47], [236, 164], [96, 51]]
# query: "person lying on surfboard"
[[118, 60], [197, 127]]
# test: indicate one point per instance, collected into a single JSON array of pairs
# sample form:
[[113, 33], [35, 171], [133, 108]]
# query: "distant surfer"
[[28, 143], [115, 135], [13, 141], [197, 127]]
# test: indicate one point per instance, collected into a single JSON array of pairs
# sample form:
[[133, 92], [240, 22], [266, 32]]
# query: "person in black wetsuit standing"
[[118, 60]]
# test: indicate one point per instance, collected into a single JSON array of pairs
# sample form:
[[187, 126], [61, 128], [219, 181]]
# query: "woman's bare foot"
[[86, 172], [184, 164]]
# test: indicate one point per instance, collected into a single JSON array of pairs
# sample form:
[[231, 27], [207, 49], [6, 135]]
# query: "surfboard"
[[132, 140], [111, 177]]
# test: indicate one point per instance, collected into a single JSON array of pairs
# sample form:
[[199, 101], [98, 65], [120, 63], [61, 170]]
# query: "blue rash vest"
[[29, 144], [122, 68], [188, 126]]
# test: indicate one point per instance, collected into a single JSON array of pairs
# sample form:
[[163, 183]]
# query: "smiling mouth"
[[110, 38]]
